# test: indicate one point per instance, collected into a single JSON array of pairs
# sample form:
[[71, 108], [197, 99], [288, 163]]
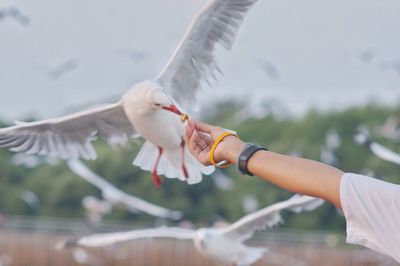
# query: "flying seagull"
[[15, 14], [96, 209], [58, 71], [223, 245], [390, 129], [115, 196], [362, 137], [152, 109]]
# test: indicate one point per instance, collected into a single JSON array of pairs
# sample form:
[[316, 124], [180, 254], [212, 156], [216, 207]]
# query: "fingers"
[[199, 144], [201, 126]]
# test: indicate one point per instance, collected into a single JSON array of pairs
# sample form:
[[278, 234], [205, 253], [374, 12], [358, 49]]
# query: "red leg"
[[156, 178], [185, 172]]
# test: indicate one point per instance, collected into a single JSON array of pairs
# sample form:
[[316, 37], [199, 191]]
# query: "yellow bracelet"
[[214, 146]]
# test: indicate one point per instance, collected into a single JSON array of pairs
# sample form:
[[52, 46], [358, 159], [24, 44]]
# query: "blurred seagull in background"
[[368, 55], [390, 129], [328, 152], [222, 245], [362, 137], [135, 55], [15, 14], [115, 196], [152, 109], [269, 69], [96, 209], [56, 72], [250, 204], [30, 198]]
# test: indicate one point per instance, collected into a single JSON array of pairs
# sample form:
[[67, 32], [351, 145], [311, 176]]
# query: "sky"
[[327, 54]]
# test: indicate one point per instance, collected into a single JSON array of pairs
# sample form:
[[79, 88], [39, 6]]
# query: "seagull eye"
[[157, 104]]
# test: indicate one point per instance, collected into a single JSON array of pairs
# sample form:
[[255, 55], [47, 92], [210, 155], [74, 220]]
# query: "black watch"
[[244, 157]]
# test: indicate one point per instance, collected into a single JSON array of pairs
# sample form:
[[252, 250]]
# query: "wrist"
[[229, 149]]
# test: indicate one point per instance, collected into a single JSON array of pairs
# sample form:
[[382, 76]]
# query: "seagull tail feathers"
[[170, 164]]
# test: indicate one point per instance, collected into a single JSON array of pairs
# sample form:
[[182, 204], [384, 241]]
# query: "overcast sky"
[[329, 54]]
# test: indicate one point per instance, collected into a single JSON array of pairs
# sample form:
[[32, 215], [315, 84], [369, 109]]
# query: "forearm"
[[298, 175], [293, 174]]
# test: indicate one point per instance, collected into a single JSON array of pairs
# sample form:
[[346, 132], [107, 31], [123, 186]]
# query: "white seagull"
[[15, 14], [362, 138], [96, 209], [390, 129], [115, 196], [149, 108], [222, 245]]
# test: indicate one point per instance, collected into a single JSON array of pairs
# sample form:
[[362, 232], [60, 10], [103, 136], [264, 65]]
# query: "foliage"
[[60, 191]]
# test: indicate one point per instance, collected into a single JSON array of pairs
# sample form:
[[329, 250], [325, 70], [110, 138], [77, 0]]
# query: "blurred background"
[[302, 78]]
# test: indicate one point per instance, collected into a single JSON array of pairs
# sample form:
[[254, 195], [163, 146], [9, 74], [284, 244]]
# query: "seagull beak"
[[172, 108]]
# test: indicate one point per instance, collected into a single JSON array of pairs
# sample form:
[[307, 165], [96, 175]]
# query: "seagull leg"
[[156, 178], [185, 172]]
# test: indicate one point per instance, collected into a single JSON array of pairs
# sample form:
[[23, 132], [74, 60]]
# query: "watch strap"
[[244, 157]]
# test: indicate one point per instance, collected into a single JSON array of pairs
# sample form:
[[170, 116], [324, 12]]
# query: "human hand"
[[200, 138]]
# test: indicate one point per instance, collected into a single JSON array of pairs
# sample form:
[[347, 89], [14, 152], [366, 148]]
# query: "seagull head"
[[159, 99], [147, 97]]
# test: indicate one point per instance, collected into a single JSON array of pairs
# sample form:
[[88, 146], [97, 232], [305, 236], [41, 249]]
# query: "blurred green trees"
[[60, 191]]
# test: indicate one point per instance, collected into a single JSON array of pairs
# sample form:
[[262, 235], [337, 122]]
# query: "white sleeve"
[[372, 211]]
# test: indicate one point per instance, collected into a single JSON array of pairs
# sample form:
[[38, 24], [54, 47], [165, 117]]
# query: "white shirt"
[[372, 211]]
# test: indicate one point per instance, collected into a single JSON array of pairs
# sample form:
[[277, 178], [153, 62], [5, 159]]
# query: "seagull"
[[390, 129], [250, 204], [362, 137], [115, 196], [56, 72], [152, 109], [368, 55], [30, 198], [222, 245], [96, 209], [135, 55], [15, 14], [329, 151], [269, 69]]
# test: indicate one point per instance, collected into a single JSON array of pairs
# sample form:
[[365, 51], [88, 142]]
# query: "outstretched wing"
[[113, 194], [100, 240], [270, 216], [194, 61], [69, 136], [384, 153]]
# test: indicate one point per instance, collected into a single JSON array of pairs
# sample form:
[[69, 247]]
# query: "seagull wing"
[[270, 216], [69, 136], [194, 60], [100, 240], [385, 153], [115, 195]]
